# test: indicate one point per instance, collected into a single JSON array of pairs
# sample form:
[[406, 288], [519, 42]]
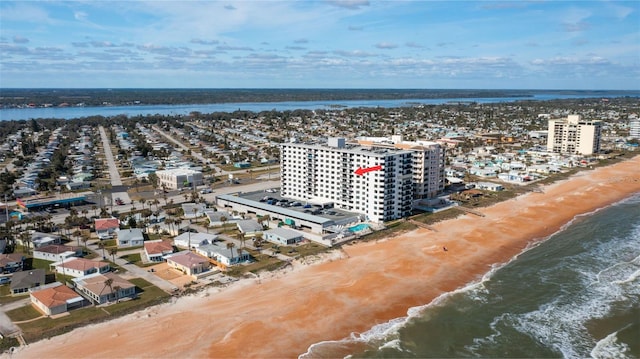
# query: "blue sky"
[[321, 44]]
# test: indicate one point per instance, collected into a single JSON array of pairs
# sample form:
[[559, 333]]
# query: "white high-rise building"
[[377, 180], [574, 135], [634, 128]]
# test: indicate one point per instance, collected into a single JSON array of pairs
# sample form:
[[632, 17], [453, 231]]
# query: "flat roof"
[[285, 211]]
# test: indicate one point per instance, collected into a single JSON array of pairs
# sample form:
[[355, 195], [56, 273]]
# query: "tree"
[[101, 246], [85, 239], [230, 246], [107, 283], [77, 234], [116, 290], [113, 251]]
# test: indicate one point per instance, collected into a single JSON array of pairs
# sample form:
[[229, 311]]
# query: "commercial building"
[[179, 178], [574, 135], [379, 179]]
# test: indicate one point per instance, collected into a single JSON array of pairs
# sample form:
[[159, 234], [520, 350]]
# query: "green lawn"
[[23, 313], [133, 258], [263, 262], [41, 263], [148, 295], [5, 295]]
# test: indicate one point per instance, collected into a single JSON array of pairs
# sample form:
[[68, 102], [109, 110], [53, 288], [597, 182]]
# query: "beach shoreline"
[[350, 290]]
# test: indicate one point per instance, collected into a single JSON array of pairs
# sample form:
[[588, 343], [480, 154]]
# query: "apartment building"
[[375, 180], [634, 128], [179, 177], [428, 162], [574, 135]]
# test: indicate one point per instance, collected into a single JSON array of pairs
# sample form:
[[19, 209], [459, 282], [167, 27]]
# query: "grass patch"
[[40, 264], [23, 313], [133, 258], [302, 250], [5, 295], [6, 343], [148, 295], [263, 262]]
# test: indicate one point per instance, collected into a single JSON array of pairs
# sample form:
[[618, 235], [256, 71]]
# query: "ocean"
[[575, 294]]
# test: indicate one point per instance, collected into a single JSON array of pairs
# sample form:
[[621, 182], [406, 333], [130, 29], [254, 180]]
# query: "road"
[[114, 175]]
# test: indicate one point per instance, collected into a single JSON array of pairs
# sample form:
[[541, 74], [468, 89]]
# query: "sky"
[[591, 45]]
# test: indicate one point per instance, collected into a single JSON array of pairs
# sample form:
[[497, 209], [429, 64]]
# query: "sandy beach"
[[280, 316]]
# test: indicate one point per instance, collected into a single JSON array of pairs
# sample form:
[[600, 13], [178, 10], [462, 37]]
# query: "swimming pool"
[[359, 227]]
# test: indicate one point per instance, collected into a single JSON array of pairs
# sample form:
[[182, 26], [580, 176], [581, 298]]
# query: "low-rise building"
[[224, 256], [56, 298], [56, 252], [156, 250], [179, 178], [106, 227], [104, 288], [189, 263], [23, 281], [282, 236], [11, 262], [79, 267], [132, 237]]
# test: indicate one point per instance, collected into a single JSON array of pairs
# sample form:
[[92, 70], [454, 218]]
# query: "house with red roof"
[[56, 298], [79, 267], [106, 227], [156, 250]]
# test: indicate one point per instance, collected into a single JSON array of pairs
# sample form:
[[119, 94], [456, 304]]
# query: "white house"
[[224, 256], [79, 267], [156, 250], [193, 210], [106, 227], [131, 237], [283, 236], [195, 239], [56, 252]]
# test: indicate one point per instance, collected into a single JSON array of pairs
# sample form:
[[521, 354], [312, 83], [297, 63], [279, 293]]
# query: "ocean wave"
[[559, 324], [610, 347]]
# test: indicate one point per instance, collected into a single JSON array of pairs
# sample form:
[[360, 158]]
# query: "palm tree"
[[95, 210], [116, 290], [223, 219], [230, 246], [85, 238], [101, 246], [239, 254], [77, 234], [113, 251], [107, 283], [26, 240]]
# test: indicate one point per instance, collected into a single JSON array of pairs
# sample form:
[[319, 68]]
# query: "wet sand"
[[372, 283]]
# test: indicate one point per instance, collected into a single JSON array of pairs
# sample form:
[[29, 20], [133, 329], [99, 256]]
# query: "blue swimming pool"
[[359, 227]]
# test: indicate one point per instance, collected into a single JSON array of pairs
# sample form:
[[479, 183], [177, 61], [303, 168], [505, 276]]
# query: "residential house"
[[488, 186], [283, 236], [224, 256], [40, 239], [189, 263], [106, 227], [56, 298], [23, 281], [56, 252], [249, 227], [193, 210], [131, 237], [156, 250], [11, 262], [78, 267], [216, 218], [193, 239], [96, 288]]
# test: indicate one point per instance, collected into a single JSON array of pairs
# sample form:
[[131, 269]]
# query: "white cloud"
[[349, 4], [386, 45]]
